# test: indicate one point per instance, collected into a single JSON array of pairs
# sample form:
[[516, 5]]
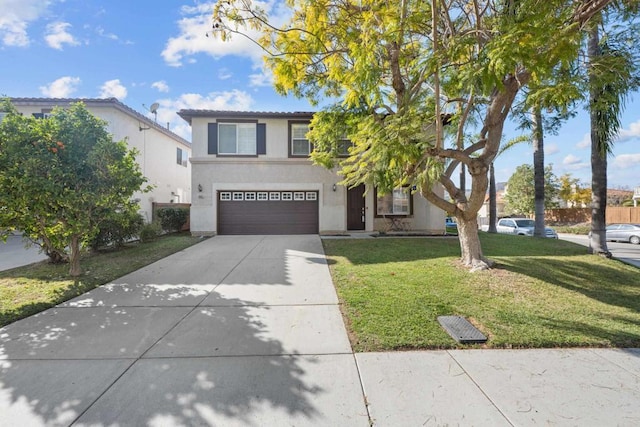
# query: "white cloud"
[[196, 24], [551, 149], [263, 78], [113, 89], [572, 162], [61, 88], [15, 18], [236, 100], [110, 36], [627, 161], [161, 86], [631, 133], [224, 74], [57, 35], [585, 142]]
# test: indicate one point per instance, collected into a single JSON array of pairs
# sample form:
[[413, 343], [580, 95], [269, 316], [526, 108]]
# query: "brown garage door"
[[267, 212]]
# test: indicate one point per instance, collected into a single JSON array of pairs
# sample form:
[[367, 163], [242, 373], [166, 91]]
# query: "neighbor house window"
[[398, 202], [237, 138], [299, 145], [181, 157]]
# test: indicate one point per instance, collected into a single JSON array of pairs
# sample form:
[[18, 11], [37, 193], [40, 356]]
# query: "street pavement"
[[13, 253], [625, 252], [247, 331]]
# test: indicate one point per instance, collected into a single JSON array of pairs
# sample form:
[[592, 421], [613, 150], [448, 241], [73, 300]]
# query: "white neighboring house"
[[252, 175], [162, 155]]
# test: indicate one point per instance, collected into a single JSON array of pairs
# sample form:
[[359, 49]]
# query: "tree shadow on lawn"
[[378, 251], [601, 337], [620, 288]]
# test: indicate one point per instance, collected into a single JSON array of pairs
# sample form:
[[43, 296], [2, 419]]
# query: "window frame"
[[344, 143], [221, 122], [407, 214], [291, 124], [181, 157]]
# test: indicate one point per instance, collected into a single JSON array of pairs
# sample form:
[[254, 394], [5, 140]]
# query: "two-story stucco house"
[[251, 174], [162, 155]]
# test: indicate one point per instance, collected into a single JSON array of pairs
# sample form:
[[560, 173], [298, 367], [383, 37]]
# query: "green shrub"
[[172, 219], [573, 229], [150, 231], [117, 228]]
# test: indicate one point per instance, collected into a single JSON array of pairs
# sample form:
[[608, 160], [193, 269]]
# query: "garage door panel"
[[268, 217]]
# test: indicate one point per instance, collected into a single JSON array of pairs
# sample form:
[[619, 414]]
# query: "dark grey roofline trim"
[[100, 102], [187, 115]]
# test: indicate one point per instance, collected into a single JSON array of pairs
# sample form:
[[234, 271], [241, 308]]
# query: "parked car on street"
[[522, 227], [624, 233]]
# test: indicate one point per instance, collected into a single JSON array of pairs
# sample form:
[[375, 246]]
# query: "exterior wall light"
[[334, 187], [200, 188]]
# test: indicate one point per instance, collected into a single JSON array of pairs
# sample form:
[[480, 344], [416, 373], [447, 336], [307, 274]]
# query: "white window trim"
[[293, 153], [239, 126], [407, 196]]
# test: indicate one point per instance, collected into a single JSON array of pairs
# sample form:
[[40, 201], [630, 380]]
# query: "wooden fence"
[[625, 215]]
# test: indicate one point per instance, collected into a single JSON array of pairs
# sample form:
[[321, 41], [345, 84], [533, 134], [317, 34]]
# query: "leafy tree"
[[396, 69], [520, 194], [612, 74], [572, 192], [61, 177]]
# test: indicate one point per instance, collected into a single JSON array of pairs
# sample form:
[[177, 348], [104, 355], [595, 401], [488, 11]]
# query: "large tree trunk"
[[493, 202], [597, 240], [470, 247], [538, 173], [74, 259]]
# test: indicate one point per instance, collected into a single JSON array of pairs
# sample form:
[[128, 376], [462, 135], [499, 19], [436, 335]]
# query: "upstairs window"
[[237, 138], [299, 145], [343, 147], [181, 157]]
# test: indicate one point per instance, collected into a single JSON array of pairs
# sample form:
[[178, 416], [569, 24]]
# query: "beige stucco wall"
[[275, 171], [156, 157]]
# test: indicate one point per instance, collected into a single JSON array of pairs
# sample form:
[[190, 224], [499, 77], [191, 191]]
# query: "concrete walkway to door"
[[234, 331]]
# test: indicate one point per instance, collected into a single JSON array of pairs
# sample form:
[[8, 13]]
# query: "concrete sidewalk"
[[246, 331]]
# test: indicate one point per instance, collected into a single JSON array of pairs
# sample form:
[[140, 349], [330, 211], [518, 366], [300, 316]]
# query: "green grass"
[[543, 293], [30, 289]]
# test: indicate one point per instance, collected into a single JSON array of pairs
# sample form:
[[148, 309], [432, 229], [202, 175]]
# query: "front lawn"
[[30, 289], [543, 293]]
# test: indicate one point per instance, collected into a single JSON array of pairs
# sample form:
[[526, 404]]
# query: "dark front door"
[[355, 208]]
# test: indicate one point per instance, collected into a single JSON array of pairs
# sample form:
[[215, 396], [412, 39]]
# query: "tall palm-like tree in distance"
[[612, 75]]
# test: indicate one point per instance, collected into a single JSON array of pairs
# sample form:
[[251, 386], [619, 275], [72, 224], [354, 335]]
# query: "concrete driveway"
[[234, 331], [14, 254], [246, 331]]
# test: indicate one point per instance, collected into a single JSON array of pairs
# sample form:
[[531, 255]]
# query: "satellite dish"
[[154, 107]]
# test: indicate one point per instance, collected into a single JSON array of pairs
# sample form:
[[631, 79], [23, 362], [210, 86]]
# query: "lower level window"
[[397, 202]]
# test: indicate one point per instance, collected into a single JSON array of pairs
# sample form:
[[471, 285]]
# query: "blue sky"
[[143, 52]]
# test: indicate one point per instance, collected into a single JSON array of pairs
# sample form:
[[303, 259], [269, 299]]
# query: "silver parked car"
[[624, 233], [522, 227]]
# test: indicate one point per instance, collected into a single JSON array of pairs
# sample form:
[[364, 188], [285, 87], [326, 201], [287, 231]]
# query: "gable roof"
[[190, 114], [99, 102]]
